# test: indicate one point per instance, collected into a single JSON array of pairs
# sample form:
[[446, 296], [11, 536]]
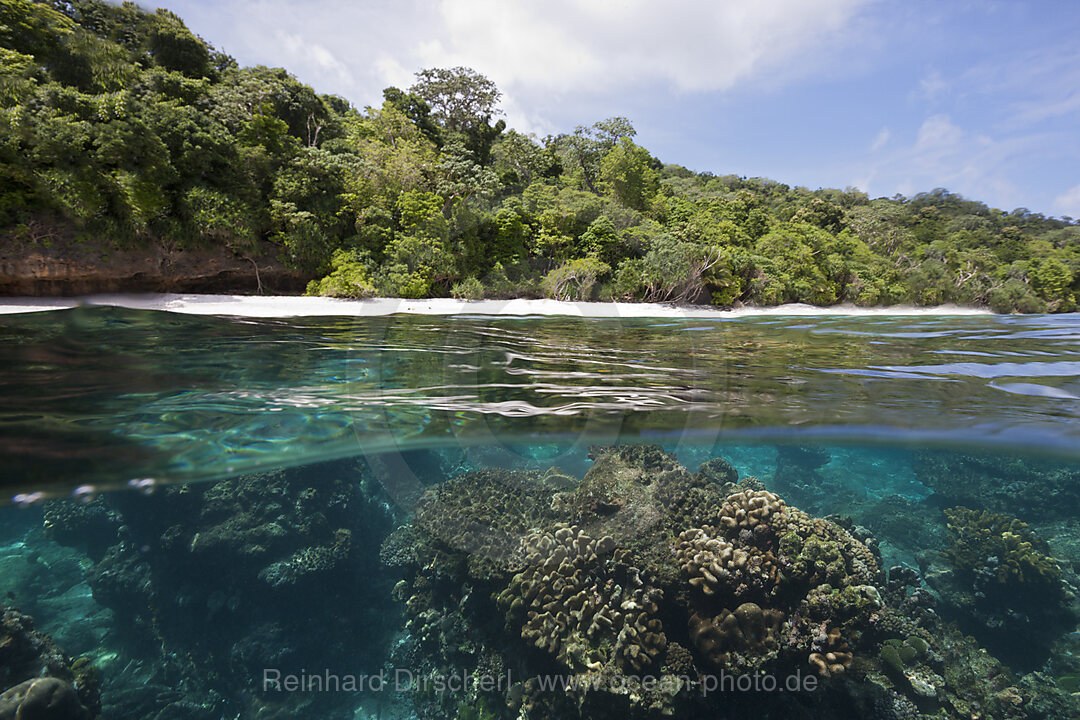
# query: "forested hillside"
[[122, 125]]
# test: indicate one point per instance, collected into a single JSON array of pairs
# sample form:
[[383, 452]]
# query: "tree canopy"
[[125, 126]]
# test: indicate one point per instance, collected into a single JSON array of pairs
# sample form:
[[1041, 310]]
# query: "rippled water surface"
[[491, 517], [98, 395]]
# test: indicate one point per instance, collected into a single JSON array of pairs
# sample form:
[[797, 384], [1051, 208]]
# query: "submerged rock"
[[45, 698], [37, 680], [1032, 490]]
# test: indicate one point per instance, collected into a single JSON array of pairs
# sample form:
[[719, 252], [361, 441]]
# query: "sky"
[[981, 97]]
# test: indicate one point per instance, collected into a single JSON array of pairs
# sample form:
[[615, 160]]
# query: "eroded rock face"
[[56, 263]]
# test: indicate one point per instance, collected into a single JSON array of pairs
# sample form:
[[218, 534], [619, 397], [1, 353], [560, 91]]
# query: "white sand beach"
[[301, 306]]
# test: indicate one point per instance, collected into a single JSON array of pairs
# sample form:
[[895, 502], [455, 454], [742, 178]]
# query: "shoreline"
[[281, 306]]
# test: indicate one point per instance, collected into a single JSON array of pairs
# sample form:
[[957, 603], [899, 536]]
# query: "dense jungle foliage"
[[124, 125]]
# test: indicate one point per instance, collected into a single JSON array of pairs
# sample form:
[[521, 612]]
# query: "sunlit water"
[[194, 501]]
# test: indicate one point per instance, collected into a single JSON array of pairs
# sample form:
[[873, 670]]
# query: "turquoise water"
[[539, 516]]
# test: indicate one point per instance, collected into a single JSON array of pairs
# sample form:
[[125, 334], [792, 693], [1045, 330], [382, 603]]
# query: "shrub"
[[348, 279], [574, 280], [468, 289]]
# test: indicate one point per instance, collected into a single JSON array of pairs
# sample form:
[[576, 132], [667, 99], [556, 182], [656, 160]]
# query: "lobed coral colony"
[[643, 586]]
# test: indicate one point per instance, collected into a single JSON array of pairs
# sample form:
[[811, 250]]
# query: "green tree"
[[459, 177], [417, 257], [244, 93], [349, 277], [174, 47], [519, 159], [599, 239], [395, 157], [585, 148], [417, 110], [627, 170], [461, 99], [807, 265], [308, 206], [1050, 278]]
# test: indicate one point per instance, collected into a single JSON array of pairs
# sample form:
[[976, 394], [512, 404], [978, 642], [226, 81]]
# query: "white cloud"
[[881, 139], [394, 73], [945, 154], [542, 55], [1030, 86], [974, 164], [315, 55], [1068, 202], [937, 137], [932, 84], [591, 46]]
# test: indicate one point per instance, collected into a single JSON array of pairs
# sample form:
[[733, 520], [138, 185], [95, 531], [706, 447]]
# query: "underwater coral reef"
[[641, 590], [637, 588], [208, 584], [38, 681]]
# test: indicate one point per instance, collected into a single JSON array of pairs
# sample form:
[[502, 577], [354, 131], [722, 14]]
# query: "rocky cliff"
[[45, 261]]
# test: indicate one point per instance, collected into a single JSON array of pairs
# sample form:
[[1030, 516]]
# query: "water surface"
[[197, 501]]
